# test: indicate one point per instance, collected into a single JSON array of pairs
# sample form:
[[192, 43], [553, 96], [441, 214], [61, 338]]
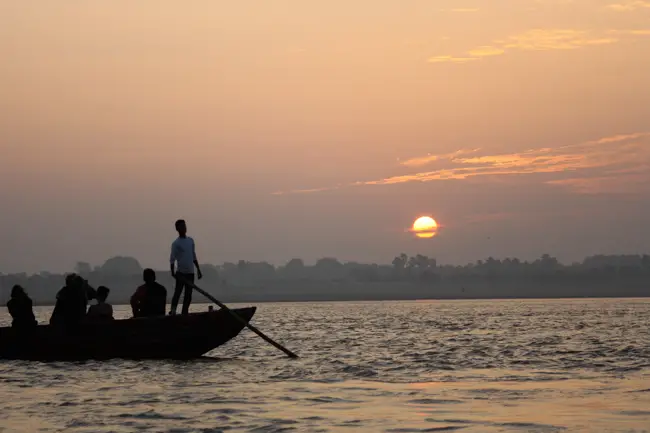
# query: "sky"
[[323, 129]]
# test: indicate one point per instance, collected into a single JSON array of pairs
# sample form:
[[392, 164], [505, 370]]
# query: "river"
[[472, 366]]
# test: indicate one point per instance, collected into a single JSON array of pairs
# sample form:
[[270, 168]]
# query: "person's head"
[[79, 283], [17, 291], [70, 279], [149, 275], [102, 293], [181, 227]]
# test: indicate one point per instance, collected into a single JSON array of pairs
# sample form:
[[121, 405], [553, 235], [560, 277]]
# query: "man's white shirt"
[[184, 254]]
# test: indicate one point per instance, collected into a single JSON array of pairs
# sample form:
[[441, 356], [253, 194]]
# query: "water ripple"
[[542, 366]]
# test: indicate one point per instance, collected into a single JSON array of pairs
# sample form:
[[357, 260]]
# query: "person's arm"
[[172, 261], [134, 309], [135, 300], [91, 293], [196, 262]]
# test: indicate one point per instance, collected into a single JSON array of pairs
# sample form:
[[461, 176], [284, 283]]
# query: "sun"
[[425, 227]]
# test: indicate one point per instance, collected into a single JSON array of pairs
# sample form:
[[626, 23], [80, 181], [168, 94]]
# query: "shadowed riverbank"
[[407, 278]]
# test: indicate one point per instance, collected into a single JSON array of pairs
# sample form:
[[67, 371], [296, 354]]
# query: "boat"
[[178, 337]]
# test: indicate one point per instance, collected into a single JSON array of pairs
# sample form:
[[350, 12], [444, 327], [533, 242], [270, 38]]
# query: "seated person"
[[102, 311], [20, 308], [150, 298], [71, 302]]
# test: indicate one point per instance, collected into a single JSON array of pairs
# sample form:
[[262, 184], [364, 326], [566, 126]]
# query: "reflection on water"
[[475, 366]]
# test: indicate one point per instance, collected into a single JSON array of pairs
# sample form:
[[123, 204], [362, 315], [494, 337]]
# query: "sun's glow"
[[425, 227]]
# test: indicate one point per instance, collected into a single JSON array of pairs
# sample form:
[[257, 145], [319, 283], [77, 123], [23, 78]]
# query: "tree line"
[[329, 277]]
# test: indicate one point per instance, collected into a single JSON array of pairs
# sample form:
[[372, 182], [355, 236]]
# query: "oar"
[[289, 353]]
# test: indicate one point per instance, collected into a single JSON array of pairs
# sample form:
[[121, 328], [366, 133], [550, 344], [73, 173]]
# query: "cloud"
[[541, 40], [638, 32], [441, 59], [424, 160], [629, 6], [486, 51], [555, 39], [591, 166]]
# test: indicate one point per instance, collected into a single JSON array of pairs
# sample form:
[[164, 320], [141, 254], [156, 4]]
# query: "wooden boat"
[[165, 337]]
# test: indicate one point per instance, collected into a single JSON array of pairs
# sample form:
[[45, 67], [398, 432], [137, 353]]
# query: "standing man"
[[183, 253]]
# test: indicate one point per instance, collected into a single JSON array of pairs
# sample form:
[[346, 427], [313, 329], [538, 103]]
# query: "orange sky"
[[298, 129]]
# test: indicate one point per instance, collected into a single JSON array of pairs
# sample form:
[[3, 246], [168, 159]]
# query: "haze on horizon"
[[292, 129]]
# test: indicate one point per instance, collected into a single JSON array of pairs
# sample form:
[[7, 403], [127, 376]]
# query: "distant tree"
[[229, 267], [399, 262], [548, 263], [229, 271], [83, 268], [210, 272], [295, 268], [121, 265], [327, 263], [328, 267], [364, 273], [260, 270], [422, 262], [411, 263], [295, 265]]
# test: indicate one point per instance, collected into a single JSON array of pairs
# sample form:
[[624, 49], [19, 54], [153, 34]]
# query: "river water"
[[471, 366]]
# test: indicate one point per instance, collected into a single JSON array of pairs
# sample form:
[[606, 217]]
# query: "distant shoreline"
[[406, 278]]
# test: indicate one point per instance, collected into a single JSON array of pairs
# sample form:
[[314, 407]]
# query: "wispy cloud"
[[541, 40], [451, 59], [555, 39], [637, 32], [613, 160], [629, 6], [429, 158], [486, 51]]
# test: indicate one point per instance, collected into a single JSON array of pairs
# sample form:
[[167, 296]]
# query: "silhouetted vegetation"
[[416, 277]]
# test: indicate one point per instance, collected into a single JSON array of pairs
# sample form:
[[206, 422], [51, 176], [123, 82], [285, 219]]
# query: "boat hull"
[[165, 337]]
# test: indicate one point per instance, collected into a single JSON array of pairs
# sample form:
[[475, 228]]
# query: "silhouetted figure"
[[20, 307], [150, 298], [71, 302], [102, 311], [183, 253]]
